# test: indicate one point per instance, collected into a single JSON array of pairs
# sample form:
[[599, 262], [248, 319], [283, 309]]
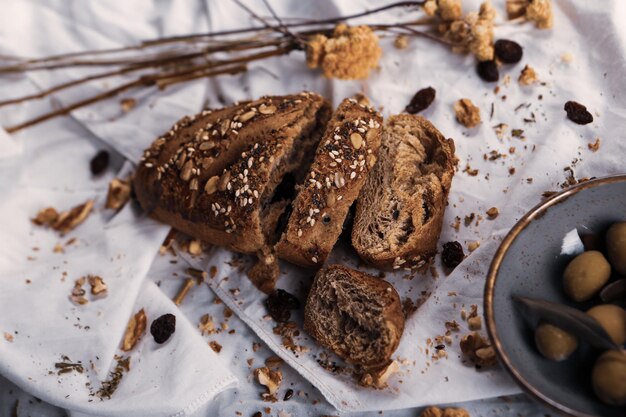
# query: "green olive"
[[554, 343], [585, 275], [613, 319], [609, 377], [616, 246]]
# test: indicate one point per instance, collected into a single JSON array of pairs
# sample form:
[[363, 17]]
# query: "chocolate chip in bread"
[[400, 210], [343, 160], [357, 316]]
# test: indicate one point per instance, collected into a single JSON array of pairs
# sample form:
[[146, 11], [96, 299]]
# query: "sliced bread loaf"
[[400, 211]]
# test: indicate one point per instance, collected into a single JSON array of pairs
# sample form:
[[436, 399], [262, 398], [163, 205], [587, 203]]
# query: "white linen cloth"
[[592, 36]]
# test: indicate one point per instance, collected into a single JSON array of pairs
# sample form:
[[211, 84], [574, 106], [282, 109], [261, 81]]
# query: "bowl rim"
[[533, 214]]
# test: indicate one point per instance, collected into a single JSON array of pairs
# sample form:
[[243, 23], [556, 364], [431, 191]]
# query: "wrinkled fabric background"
[[48, 166]]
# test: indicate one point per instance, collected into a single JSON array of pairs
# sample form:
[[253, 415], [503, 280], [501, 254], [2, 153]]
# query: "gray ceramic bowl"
[[529, 263]]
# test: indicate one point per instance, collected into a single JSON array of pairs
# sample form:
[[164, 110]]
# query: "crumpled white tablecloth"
[[590, 34]]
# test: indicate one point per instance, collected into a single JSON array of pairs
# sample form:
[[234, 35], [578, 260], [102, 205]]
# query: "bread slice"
[[355, 315], [400, 211], [343, 160], [217, 176]]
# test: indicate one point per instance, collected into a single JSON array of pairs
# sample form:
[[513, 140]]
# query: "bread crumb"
[[528, 76], [8, 337], [500, 130], [206, 325], [540, 12], [593, 147], [118, 194], [467, 113]]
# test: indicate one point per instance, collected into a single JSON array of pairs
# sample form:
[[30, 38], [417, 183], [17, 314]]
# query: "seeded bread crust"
[[357, 316], [343, 160], [400, 212], [213, 175]]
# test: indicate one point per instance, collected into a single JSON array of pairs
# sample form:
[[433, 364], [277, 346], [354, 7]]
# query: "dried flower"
[[401, 42], [473, 33], [447, 10], [350, 53], [538, 11]]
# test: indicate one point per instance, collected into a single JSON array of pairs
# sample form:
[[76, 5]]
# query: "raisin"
[[578, 113], [488, 71], [257, 414], [508, 51], [280, 303], [452, 254], [163, 327], [99, 163], [421, 100], [288, 395]]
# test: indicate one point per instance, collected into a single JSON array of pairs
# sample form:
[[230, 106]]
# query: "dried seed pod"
[[577, 113], [507, 51], [163, 327], [421, 100], [488, 71]]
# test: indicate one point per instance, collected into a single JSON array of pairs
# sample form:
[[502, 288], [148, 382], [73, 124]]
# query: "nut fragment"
[[247, 116], [78, 293], [134, 331], [208, 145], [271, 379], [467, 113], [118, 194], [356, 140], [185, 173], [46, 217], [211, 185], [222, 185], [195, 247], [478, 350], [65, 221], [265, 109], [98, 286], [475, 323], [378, 377], [493, 212]]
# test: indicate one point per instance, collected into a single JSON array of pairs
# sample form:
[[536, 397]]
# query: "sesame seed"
[[314, 259], [352, 175], [149, 165], [299, 232]]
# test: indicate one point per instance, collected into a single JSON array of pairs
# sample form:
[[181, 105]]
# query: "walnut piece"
[[78, 293], [478, 350], [134, 331], [118, 194], [98, 286], [271, 379], [467, 113], [378, 377], [46, 217], [68, 220]]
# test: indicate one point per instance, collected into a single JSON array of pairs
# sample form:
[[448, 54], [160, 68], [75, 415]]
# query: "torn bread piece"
[[355, 315], [400, 211], [343, 160]]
